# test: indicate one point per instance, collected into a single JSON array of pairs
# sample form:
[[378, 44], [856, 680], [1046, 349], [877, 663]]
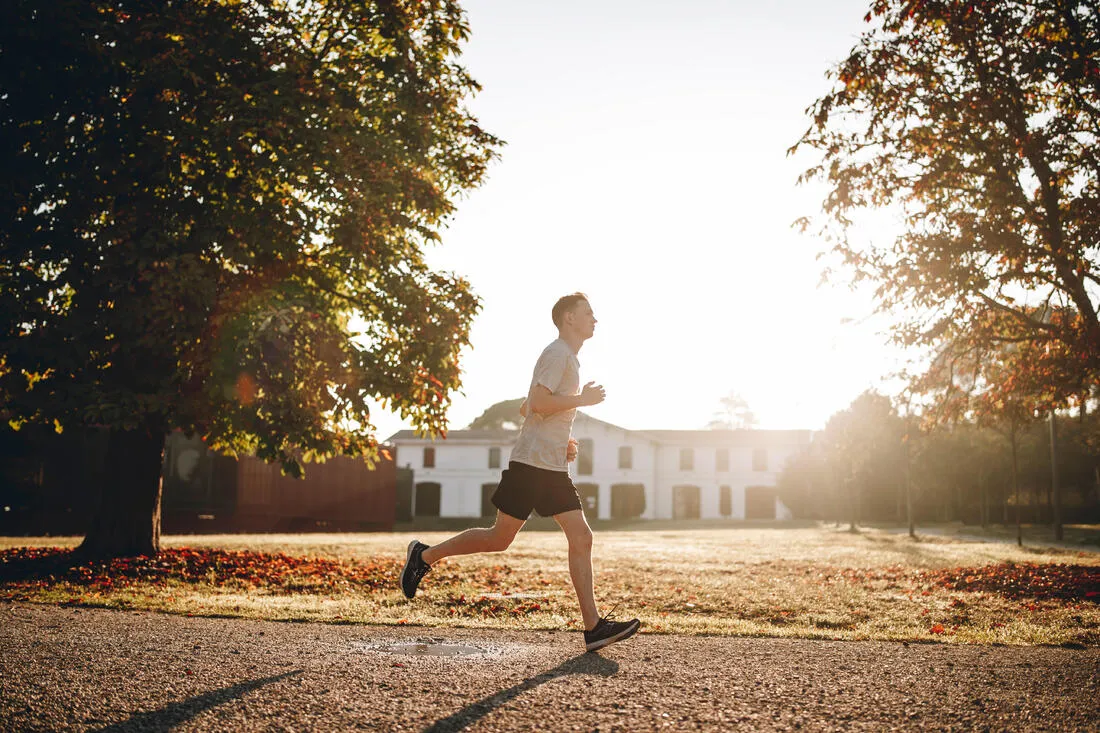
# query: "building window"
[[687, 459], [429, 457], [584, 457], [722, 460], [494, 458], [626, 456], [725, 501], [760, 459]]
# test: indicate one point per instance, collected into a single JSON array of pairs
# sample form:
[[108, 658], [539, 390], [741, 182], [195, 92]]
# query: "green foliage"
[[216, 212], [501, 416], [977, 122]]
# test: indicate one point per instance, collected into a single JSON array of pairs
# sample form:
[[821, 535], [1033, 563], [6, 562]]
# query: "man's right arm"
[[544, 402]]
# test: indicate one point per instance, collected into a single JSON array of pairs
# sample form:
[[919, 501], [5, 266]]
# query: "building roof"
[[473, 436], [729, 437], [668, 437]]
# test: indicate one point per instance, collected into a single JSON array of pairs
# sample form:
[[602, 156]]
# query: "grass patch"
[[812, 582]]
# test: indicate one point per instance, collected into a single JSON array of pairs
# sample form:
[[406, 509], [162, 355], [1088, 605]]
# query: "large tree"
[[979, 123], [503, 415], [213, 218], [854, 467], [735, 414]]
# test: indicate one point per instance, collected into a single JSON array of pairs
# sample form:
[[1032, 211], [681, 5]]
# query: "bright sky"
[[646, 166]]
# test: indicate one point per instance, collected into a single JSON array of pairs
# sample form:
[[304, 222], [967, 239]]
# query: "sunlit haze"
[[646, 166]]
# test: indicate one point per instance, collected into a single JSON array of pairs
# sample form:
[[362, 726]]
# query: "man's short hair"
[[565, 304]]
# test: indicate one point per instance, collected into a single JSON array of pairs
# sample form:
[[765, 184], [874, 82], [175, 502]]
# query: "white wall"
[[709, 479], [460, 470], [462, 466], [606, 441]]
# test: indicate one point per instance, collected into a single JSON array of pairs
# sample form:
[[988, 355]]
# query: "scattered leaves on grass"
[[1024, 580], [28, 568], [1047, 581], [274, 572]]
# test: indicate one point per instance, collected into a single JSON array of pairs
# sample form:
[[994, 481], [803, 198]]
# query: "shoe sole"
[[408, 561], [621, 636]]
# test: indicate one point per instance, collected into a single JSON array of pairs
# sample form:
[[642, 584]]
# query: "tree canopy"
[[503, 415], [214, 218], [980, 123], [215, 213], [735, 414]]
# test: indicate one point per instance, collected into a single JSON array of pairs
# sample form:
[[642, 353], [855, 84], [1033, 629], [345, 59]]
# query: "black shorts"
[[523, 488]]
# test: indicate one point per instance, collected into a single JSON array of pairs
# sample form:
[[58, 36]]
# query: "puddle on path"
[[436, 647]]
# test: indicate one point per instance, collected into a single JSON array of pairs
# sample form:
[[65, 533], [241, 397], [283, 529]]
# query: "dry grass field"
[[816, 582]]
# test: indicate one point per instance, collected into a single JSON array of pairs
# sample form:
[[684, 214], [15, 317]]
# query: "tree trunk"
[[855, 506], [1055, 486], [126, 522], [1016, 492], [983, 497], [909, 491]]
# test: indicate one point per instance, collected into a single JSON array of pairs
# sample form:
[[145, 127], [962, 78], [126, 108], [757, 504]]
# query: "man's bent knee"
[[500, 541]]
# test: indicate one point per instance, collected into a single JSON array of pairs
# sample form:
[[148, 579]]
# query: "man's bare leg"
[[579, 535], [479, 539]]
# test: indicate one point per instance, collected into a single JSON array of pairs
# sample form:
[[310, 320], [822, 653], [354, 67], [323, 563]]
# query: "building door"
[[685, 502], [627, 501], [488, 509], [427, 499], [590, 499], [759, 502]]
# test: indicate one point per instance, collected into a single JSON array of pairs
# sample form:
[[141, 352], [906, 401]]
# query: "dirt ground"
[[88, 669]]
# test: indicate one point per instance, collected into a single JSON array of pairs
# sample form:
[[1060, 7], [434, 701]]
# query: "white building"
[[620, 473]]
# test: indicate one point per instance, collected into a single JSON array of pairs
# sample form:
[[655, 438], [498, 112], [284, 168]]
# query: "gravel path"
[[89, 669]]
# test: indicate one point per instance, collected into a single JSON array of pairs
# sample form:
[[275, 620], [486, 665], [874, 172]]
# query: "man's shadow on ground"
[[178, 713], [591, 664]]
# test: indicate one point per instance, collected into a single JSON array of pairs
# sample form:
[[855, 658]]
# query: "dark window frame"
[[429, 456]]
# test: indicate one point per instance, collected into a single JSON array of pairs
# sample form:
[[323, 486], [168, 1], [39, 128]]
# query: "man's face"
[[584, 320]]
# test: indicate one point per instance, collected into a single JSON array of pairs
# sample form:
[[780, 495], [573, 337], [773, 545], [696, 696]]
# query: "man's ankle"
[[425, 552]]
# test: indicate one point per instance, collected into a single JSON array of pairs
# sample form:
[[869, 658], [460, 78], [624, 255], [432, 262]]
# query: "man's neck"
[[573, 340]]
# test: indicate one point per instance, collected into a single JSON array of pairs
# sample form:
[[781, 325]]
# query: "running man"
[[537, 477]]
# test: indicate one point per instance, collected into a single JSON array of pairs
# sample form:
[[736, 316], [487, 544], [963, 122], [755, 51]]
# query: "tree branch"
[[1019, 316]]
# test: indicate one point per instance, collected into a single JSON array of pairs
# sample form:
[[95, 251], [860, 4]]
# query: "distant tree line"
[[856, 469]]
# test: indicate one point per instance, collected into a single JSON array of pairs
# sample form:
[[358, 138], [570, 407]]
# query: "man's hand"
[[571, 450], [523, 408], [592, 394]]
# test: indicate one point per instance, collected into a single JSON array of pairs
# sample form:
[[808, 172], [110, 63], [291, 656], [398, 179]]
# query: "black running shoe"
[[607, 632], [415, 568]]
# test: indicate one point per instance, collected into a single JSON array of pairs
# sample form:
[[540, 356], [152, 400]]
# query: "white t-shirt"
[[543, 439]]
